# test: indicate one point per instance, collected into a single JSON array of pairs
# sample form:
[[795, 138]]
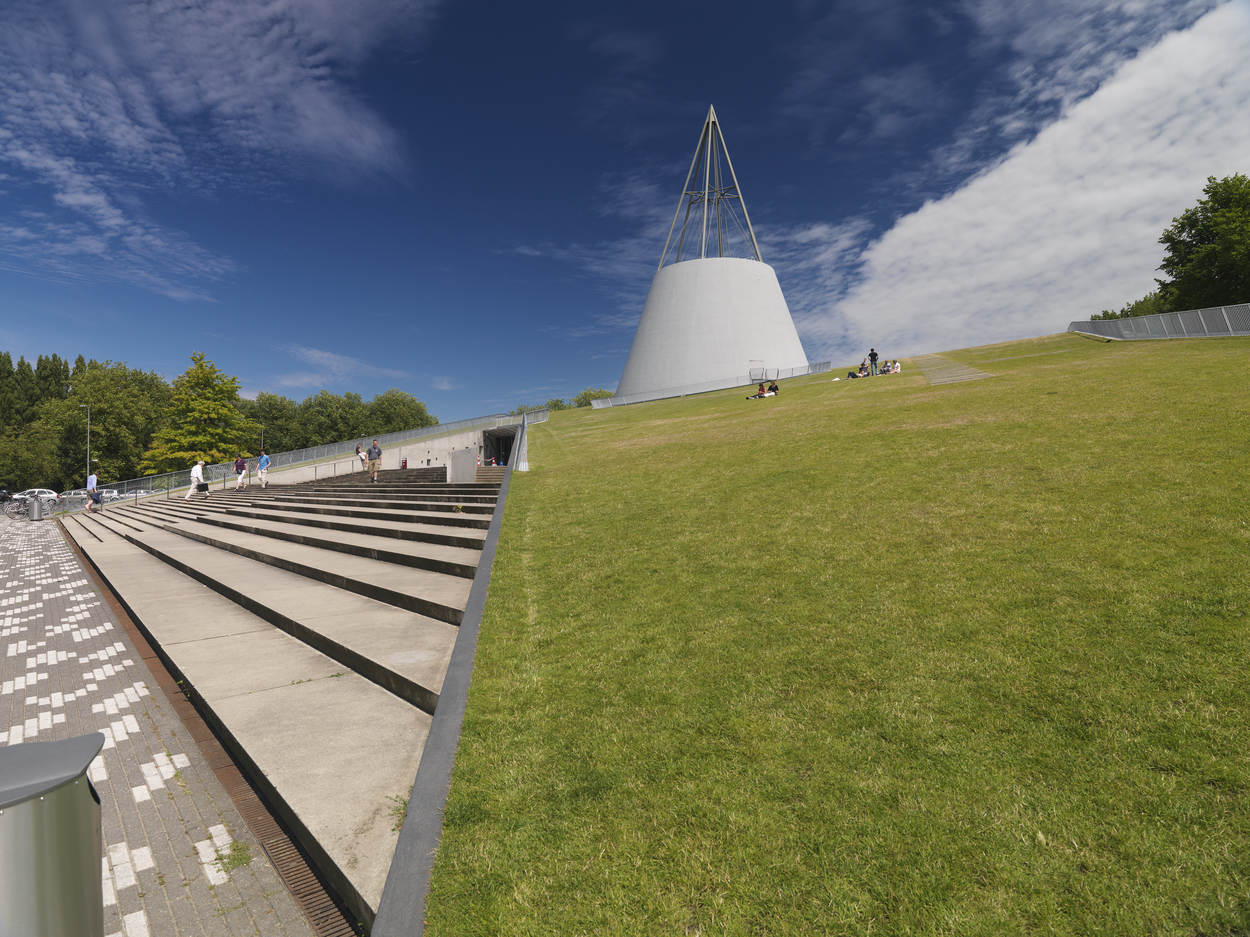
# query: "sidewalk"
[[179, 858]]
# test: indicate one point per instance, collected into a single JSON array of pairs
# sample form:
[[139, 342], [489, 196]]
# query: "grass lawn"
[[873, 657]]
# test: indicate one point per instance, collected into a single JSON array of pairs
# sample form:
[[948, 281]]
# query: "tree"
[[126, 410], [1148, 305], [557, 403], [8, 395], [51, 378], [202, 421], [1207, 249], [26, 393], [395, 410], [326, 417], [278, 416], [590, 393]]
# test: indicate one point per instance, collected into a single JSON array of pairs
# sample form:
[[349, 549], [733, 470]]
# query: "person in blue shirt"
[[262, 469]]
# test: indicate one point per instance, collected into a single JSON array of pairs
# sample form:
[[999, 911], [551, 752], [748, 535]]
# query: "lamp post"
[[87, 407]]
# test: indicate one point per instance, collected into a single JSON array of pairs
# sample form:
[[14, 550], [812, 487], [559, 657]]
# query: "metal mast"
[[733, 235]]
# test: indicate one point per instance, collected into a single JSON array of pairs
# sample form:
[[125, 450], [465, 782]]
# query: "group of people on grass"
[[770, 391], [869, 367]]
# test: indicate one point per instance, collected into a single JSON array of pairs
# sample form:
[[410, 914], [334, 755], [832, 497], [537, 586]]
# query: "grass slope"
[[873, 657]]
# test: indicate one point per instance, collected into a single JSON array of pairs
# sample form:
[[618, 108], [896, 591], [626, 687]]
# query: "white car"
[[43, 494], [109, 495]]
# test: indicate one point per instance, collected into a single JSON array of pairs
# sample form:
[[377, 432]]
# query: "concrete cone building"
[[715, 314]]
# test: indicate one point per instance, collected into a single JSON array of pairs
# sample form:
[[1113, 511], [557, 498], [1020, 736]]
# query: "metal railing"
[[221, 472], [765, 374], [1213, 322]]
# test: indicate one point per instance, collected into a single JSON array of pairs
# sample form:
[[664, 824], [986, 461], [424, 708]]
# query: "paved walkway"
[[941, 370], [179, 859]]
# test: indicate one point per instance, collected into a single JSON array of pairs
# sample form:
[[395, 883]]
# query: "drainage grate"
[[325, 915]]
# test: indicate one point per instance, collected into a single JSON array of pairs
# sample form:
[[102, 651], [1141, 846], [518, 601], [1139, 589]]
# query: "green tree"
[[26, 393], [326, 417], [202, 421], [590, 393], [557, 403], [1148, 305], [278, 417], [28, 458], [395, 410], [8, 394], [51, 378], [1207, 249], [126, 409]]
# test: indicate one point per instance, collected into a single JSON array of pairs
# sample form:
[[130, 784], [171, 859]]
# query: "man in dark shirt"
[[375, 462], [872, 356]]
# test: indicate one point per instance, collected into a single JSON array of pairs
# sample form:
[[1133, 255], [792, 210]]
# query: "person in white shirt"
[[93, 495], [197, 477]]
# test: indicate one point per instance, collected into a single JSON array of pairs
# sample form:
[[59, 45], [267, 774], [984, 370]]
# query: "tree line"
[[559, 403], [141, 424], [1206, 254]]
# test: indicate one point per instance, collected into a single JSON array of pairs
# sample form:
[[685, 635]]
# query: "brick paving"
[[178, 857]]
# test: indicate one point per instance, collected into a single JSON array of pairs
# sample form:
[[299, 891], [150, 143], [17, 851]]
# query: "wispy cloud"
[[993, 75], [442, 383], [102, 104], [328, 368], [1068, 223]]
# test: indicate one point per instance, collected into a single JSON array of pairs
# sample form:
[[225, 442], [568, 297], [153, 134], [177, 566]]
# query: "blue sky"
[[468, 201]]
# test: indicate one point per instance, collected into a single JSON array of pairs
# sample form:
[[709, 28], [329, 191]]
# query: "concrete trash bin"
[[50, 846], [36, 509]]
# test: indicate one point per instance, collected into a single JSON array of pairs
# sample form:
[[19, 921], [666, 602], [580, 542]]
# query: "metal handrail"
[[1212, 322]]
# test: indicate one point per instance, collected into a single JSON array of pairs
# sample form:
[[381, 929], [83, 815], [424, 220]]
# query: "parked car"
[[75, 493], [43, 494], [4, 495]]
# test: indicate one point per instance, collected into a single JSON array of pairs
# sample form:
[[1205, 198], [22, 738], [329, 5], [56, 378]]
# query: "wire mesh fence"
[[753, 377], [1212, 322]]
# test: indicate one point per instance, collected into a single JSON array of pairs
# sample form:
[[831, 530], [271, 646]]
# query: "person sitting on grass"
[[759, 392], [772, 387]]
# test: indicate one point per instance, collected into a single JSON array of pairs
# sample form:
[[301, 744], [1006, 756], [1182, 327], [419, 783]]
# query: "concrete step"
[[401, 651], [329, 748], [431, 474], [465, 489], [437, 595], [452, 560], [381, 517], [469, 537], [379, 500], [440, 495]]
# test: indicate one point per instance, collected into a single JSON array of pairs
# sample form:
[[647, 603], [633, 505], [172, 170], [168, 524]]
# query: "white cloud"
[[1066, 224], [445, 383], [330, 368], [102, 102]]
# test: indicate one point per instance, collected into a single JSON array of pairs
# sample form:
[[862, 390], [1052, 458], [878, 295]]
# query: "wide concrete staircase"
[[312, 626]]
